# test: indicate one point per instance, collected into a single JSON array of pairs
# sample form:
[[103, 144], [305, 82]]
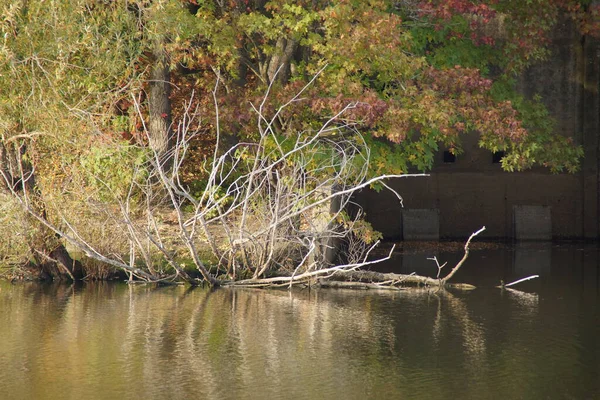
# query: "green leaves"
[[416, 80], [115, 169]]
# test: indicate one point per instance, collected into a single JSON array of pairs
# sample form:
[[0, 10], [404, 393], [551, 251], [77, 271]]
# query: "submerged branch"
[[306, 276], [502, 285], [357, 285], [401, 279]]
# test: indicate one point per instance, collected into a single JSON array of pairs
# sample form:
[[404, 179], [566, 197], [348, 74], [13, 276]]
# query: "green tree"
[[55, 93]]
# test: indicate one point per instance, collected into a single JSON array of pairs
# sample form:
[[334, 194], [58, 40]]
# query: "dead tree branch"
[[461, 262], [269, 208]]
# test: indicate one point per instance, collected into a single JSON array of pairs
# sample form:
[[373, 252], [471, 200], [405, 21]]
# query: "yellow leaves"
[[9, 18]]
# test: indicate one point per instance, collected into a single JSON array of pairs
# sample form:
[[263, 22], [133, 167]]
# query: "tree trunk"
[[49, 254], [279, 67], [159, 108]]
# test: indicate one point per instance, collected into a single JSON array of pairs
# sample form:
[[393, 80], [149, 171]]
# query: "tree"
[[401, 78], [53, 99], [424, 72]]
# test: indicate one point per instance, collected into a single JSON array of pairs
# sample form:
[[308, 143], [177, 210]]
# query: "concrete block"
[[421, 224], [532, 222]]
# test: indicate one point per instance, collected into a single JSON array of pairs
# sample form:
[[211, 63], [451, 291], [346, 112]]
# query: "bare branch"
[[518, 281], [461, 262]]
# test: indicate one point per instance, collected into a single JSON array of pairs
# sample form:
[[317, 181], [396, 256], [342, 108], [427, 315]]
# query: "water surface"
[[108, 341]]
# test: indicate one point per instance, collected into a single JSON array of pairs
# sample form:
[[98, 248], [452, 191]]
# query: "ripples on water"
[[109, 341]]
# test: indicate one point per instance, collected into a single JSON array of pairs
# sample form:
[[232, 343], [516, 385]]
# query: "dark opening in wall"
[[449, 157], [497, 157]]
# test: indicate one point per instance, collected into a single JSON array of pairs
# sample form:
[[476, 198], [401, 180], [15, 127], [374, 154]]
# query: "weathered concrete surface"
[[590, 117], [532, 222], [421, 224], [473, 191], [420, 264], [469, 200]]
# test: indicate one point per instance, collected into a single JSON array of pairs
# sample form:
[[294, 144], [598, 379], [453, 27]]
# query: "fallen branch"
[[356, 285], [394, 279], [460, 263], [349, 276], [502, 285], [397, 279], [306, 276]]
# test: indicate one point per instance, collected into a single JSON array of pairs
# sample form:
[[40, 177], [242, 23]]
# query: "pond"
[[109, 340]]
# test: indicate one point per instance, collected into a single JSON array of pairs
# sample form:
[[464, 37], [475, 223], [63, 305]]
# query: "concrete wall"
[[470, 200], [473, 191]]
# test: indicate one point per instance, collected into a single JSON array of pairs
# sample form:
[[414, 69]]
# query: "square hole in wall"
[[449, 157], [497, 157]]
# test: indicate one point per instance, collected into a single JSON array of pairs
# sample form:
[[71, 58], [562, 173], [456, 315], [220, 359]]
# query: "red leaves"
[[449, 102], [456, 80], [590, 22], [365, 110], [487, 40], [477, 13], [446, 9]]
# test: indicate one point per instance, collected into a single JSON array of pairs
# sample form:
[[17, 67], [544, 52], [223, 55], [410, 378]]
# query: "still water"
[[115, 341]]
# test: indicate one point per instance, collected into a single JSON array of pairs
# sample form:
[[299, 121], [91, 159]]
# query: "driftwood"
[[367, 279], [357, 285], [503, 285], [351, 277], [398, 279]]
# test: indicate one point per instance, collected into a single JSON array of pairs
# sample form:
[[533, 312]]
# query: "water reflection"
[[532, 258], [104, 341]]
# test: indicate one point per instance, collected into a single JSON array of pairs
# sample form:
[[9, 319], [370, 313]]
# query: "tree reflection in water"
[[119, 341]]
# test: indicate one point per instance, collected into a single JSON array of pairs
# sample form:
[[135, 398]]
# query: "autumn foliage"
[[420, 74], [80, 80]]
